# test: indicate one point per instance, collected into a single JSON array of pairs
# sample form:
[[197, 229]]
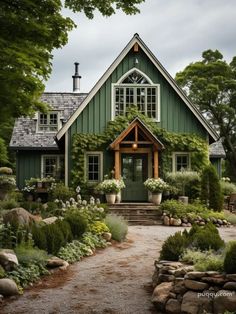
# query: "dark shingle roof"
[[24, 134], [216, 150]]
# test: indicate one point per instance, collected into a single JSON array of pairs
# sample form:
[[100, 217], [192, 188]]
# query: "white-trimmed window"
[[53, 166], [181, 161], [94, 166], [48, 122], [136, 89]]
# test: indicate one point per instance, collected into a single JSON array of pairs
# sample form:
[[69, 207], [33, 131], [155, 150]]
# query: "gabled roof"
[[137, 123], [216, 150], [137, 40], [24, 134]]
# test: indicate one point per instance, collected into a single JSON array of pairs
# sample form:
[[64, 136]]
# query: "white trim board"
[[161, 69]]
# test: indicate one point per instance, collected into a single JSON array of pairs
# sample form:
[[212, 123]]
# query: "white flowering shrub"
[[111, 186], [156, 185]]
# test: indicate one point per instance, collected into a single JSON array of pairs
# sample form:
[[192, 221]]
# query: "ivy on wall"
[[173, 142]]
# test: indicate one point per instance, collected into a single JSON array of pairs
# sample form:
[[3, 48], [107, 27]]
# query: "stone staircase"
[[137, 213]]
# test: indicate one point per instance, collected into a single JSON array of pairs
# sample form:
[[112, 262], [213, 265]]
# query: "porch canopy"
[[136, 139]]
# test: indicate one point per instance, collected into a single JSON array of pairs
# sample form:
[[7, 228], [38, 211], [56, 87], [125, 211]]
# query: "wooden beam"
[[117, 165], [141, 150], [136, 134], [155, 155], [139, 142], [136, 47]]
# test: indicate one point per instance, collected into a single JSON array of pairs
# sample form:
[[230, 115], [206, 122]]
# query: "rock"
[[161, 295], [171, 221], [189, 224], [8, 259], [193, 303], [195, 285], [165, 278], [177, 222], [230, 285], [231, 277], [179, 272], [225, 222], [64, 266], [202, 223], [173, 306], [55, 262], [107, 236], [219, 280], [185, 220], [8, 287], [20, 216], [219, 221], [166, 221], [184, 225], [195, 275], [224, 300], [1, 298], [213, 273], [172, 264], [155, 278], [50, 220], [179, 286]]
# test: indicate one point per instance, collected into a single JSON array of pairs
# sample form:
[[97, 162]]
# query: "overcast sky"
[[176, 31]]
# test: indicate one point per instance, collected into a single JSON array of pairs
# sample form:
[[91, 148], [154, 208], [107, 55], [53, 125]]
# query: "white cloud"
[[176, 31]]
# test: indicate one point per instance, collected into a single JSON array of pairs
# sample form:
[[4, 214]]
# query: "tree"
[[30, 30], [211, 85]]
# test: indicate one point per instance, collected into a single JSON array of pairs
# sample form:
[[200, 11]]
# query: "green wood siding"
[[175, 115], [216, 162], [29, 165]]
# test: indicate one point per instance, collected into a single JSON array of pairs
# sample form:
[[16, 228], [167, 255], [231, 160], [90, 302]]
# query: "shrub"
[[230, 259], [231, 218], [211, 193], [2, 272], [227, 187], [207, 238], [173, 247], [187, 182], [7, 183], [64, 226], [28, 255], [8, 204], [54, 237], [118, 227], [203, 261], [98, 227], [39, 237], [32, 207], [78, 223], [61, 192]]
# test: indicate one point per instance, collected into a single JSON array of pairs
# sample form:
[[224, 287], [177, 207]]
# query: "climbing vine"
[[83, 143]]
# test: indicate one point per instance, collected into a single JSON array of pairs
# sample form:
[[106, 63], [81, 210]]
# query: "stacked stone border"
[[180, 289]]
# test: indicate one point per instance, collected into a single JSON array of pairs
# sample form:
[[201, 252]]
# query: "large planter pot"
[[111, 198], [156, 198]]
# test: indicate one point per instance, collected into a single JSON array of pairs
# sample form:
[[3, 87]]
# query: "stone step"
[[145, 222]]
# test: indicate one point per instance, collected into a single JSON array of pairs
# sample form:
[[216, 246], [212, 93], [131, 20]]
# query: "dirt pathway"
[[116, 280]]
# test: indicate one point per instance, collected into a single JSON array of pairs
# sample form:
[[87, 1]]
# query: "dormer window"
[[48, 122], [136, 89]]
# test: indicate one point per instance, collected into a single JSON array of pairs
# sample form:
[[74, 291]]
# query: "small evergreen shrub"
[[207, 238], [211, 193], [64, 226], [173, 247], [39, 237], [54, 237], [78, 223], [118, 227], [230, 259], [29, 255]]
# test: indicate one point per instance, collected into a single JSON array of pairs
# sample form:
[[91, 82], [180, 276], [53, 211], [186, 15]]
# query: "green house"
[[53, 144]]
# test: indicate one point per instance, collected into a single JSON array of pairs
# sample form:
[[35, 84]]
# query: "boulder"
[[64, 266], [230, 285], [195, 275], [195, 285], [107, 236], [224, 300], [171, 221], [177, 222], [50, 220], [19, 216], [165, 278], [8, 287], [194, 303], [231, 277], [166, 220], [218, 280], [179, 286], [55, 262], [161, 295], [189, 224], [8, 259], [173, 306]]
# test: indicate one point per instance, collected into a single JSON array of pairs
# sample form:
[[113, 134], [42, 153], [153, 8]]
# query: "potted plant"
[[7, 184], [111, 187], [156, 187]]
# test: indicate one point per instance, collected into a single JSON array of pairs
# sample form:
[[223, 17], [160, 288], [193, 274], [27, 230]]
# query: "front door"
[[134, 173]]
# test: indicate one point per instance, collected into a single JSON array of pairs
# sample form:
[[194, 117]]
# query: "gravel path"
[[116, 280]]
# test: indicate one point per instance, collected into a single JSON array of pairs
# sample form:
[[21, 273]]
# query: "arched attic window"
[[136, 89]]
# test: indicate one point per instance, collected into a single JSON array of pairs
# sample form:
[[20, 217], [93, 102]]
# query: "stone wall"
[[180, 289]]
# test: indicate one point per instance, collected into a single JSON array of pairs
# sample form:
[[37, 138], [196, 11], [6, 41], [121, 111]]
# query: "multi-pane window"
[[136, 90], [53, 166], [48, 122], [182, 162], [93, 162]]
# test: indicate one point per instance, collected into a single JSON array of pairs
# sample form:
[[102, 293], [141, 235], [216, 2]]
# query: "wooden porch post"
[[155, 164], [117, 164]]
